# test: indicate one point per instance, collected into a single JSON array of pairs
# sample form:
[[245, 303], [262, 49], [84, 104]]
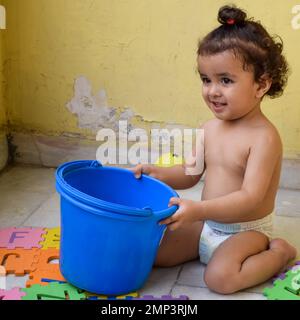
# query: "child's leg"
[[179, 246], [245, 260]]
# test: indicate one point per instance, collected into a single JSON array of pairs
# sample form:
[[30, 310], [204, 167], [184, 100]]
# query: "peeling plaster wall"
[[135, 56], [93, 112]]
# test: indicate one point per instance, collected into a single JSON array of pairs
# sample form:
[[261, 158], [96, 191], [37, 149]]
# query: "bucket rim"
[[72, 166]]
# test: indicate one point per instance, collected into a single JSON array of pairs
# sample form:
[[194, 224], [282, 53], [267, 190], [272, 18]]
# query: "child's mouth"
[[218, 106]]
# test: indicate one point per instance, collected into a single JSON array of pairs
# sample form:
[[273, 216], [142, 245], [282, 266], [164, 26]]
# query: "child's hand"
[[188, 212], [148, 169]]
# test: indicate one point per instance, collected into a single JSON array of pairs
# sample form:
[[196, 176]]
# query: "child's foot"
[[287, 251]]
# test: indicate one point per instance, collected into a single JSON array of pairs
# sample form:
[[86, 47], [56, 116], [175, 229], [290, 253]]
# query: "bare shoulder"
[[266, 135]]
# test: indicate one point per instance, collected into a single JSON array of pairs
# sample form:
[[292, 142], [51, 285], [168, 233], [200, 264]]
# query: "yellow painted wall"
[[2, 85], [2, 106], [141, 52]]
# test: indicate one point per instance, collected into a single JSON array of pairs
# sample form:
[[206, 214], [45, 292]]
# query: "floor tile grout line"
[[201, 287], [190, 285], [34, 210], [175, 282], [287, 216]]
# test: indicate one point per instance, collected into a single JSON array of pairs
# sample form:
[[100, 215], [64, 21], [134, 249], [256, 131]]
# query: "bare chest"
[[227, 151]]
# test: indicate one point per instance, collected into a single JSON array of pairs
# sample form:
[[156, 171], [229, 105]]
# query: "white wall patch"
[[92, 111]]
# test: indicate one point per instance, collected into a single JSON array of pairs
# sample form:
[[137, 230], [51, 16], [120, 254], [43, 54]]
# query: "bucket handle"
[[166, 214], [148, 209], [95, 164], [158, 216]]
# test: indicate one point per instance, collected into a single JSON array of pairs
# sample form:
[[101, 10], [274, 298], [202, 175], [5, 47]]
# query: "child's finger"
[[165, 221], [137, 170], [134, 169], [169, 220], [146, 169], [174, 201], [141, 168]]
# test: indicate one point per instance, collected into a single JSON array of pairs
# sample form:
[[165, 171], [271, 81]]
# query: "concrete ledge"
[[53, 151], [290, 174]]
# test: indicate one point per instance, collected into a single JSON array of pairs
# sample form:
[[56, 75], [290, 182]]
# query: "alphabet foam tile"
[[164, 297], [45, 258], [283, 274], [53, 291], [13, 294], [51, 238], [39, 276], [19, 261], [110, 298], [44, 280], [45, 269], [93, 296], [26, 238], [286, 289]]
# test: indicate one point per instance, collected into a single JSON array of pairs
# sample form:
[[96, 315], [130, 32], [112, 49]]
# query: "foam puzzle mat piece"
[[19, 261], [45, 269], [163, 297], [51, 238], [283, 274], [30, 251], [45, 280], [117, 298], [12, 294], [93, 296], [37, 276], [53, 291], [25, 238], [287, 288], [45, 258]]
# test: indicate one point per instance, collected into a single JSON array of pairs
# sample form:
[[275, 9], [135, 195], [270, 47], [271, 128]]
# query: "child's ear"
[[264, 85]]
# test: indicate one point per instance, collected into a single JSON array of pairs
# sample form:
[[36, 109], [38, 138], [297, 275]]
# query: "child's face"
[[228, 90]]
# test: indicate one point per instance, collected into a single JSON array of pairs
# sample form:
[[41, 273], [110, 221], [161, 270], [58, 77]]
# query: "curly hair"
[[250, 42]]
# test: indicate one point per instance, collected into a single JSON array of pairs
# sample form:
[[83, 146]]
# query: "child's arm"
[[174, 176], [179, 176], [237, 206]]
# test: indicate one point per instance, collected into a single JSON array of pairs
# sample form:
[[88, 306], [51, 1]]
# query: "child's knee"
[[221, 281]]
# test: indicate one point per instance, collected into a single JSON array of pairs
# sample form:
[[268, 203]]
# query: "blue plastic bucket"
[[109, 226]]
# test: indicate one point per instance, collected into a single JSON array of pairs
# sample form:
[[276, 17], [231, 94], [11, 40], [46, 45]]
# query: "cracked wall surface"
[[93, 111]]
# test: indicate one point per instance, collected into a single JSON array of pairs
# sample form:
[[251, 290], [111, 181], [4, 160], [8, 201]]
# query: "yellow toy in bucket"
[[169, 160]]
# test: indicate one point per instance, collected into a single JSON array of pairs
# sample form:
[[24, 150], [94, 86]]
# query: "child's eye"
[[226, 81], [205, 80]]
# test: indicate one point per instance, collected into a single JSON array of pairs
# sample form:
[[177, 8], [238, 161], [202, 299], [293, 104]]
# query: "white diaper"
[[214, 233]]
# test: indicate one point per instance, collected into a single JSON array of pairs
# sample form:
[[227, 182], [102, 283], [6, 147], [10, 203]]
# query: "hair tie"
[[230, 21]]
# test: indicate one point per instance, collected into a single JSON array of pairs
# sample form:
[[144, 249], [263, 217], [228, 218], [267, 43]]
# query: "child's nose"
[[214, 91]]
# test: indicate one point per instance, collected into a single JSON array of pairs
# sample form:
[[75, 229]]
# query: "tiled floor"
[[28, 198]]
